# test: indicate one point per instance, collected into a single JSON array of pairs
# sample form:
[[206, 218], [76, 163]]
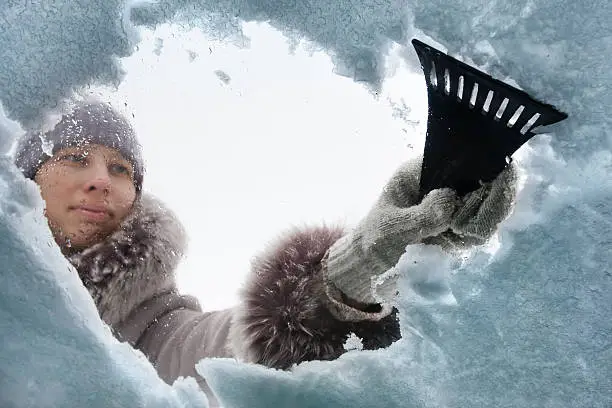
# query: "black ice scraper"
[[475, 122]]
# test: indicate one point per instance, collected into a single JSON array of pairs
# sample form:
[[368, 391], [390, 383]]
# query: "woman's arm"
[[287, 315], [284, 316]]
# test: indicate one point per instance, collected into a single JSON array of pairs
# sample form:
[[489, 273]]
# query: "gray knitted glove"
[[395, 221], [485, 208], [398, 219]]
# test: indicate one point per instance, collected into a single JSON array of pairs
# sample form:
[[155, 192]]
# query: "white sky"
[[285, 142]]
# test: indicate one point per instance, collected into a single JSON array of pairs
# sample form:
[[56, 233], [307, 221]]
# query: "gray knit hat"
[[92, 123]]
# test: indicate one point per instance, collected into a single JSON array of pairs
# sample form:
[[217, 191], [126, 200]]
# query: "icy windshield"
[[255, 118]]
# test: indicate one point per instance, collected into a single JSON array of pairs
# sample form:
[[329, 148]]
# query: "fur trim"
[[135, 263], [285, 318]]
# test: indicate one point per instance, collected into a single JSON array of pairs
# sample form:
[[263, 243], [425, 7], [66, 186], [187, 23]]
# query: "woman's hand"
[[482, 210], [398, 219]]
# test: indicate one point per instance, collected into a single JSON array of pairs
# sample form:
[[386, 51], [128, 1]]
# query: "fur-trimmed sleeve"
[[286, 314]]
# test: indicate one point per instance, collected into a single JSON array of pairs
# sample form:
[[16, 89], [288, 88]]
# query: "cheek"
[[124, 200], [54, 196]]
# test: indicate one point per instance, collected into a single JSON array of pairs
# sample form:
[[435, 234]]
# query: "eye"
[[118, 168]]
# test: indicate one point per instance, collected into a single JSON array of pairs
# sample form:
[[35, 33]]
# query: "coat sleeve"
[[284, 317], [174, 334], [287, 315]]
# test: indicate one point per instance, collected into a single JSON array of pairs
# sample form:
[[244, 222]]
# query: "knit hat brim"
[[88, 124]]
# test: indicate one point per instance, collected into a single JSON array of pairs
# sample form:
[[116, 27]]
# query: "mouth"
[[94, 213]]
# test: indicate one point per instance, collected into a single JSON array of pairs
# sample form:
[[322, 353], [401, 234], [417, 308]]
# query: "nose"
[[98, 179]]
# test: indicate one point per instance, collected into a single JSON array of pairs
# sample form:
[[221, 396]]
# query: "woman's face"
[[88, 191]]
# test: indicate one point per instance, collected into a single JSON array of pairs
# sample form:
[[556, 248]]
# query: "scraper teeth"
[[516, 116], [487, 103], [502, 109], [474, 95], [530, 123], [433, 76], [473, 100], [447, 82]]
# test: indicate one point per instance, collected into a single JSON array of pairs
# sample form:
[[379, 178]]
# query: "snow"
[[55, 350], [525, 321]]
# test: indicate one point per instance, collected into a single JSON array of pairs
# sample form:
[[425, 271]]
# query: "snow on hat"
[[94, 123]]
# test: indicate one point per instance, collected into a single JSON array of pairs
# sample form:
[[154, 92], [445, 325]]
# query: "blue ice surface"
[[527, 325], [56, 352]]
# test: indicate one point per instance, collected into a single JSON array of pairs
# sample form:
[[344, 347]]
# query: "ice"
[[63, 46], [55, 350], [8, 132], [523, 322]]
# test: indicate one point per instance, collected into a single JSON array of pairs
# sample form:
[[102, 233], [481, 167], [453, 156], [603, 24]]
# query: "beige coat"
[[283, 317]]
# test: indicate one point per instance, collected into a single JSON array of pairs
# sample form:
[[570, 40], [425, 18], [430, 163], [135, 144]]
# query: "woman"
[[305, 295]]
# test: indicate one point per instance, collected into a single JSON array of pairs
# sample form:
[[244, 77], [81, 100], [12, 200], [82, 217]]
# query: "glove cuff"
[[347, 309], [347, 269]]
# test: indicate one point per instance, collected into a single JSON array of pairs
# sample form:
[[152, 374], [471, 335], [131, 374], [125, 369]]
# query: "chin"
[[85, 239]]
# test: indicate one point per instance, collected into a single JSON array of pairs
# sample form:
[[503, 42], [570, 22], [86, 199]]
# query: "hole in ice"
[[460, 88], [487, 103], [516, 116], [447, 80], [433, 77], [502, 109], [530, 123], [474, 95]]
